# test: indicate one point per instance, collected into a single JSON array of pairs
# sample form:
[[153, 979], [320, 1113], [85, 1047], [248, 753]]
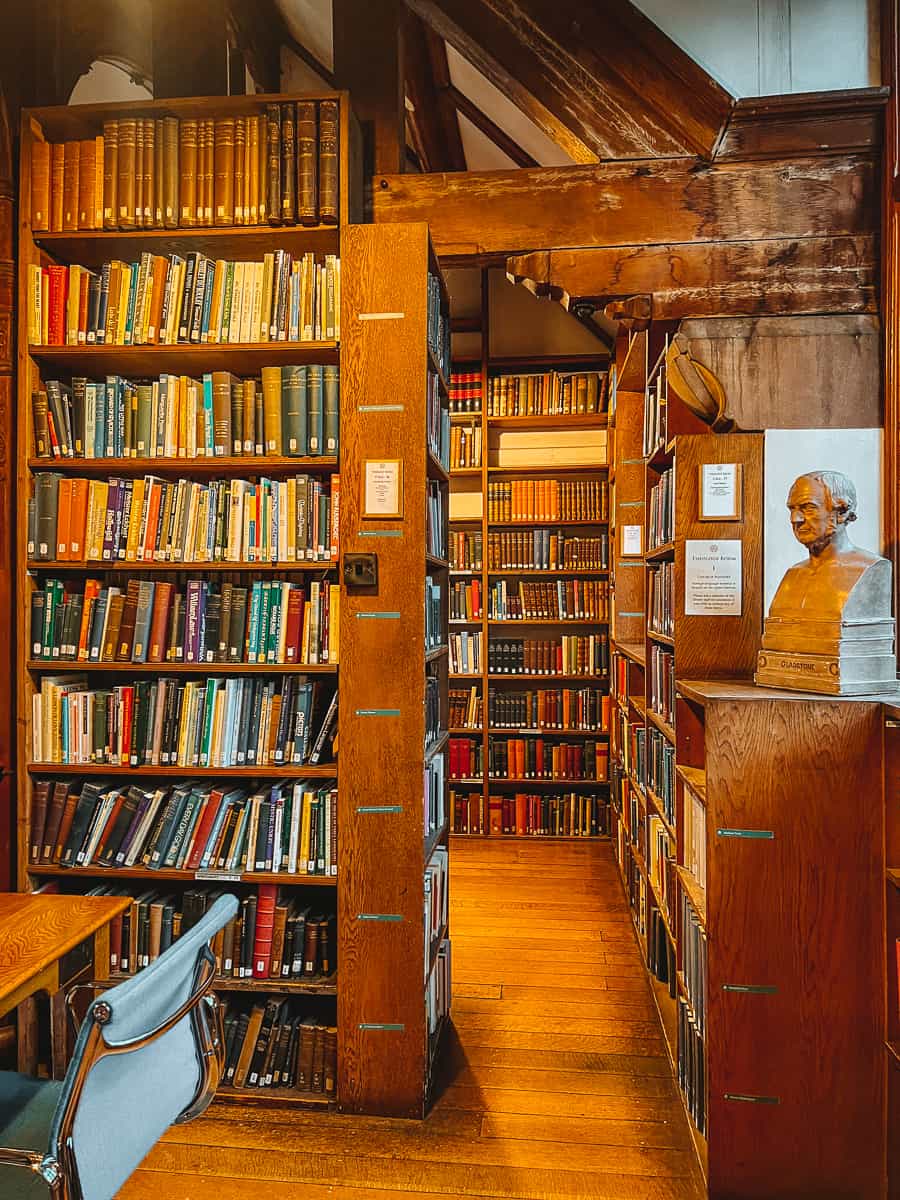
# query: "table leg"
[[27, 1045]]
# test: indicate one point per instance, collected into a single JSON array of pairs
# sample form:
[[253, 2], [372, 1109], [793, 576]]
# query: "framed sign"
[[632, 541], [721, 491], [382, 488], [712, 578]]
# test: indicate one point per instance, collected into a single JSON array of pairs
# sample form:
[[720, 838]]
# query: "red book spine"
[[294, 630], [127, 712], [58, 292], [265, 920], [206, 824]]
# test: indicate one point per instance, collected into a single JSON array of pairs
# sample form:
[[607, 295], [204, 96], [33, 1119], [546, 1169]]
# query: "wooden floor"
[[557, 1082]]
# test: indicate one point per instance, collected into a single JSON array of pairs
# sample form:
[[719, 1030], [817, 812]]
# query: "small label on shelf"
[[381, 1025], [219, 876], [379, 916], [756, 989], [380, 808], [765, 834]]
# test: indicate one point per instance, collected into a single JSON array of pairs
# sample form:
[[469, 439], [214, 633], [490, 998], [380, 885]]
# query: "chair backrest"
[[135, 1069]]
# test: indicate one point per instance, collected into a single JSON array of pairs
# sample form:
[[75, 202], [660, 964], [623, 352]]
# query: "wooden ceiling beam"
[[498, 136], [723, 279], [368, 62], [600, 81], [649, 202], [436, 49], [435, 149]]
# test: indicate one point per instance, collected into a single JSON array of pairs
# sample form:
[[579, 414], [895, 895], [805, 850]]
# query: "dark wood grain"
[[805, 123], [639, 203]]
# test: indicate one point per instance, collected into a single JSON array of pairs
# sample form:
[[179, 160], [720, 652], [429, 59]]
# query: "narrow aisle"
[[556, 1080]]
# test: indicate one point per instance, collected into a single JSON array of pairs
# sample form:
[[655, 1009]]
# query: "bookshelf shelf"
[[180, 668], [634, 651], [434, 840], [145, 873], [556, 522], [555, 420], [694, 778], [273, 1095], [283, 568], [244, 465], [552, 572], [435, 366], [661, 724], [436, 469], [436, 564], [224, 983], [328, 771], [657, 805], [463, 729], [456, 472], [893, 1049], [568, 621], [522, 731], [438, 652], [436, 747], [664, 638], [92, 247], [244, 358], [661, 552], [551, 469], [893, 876], [531, 781], [465, 675], [696, 893], [586, 679]]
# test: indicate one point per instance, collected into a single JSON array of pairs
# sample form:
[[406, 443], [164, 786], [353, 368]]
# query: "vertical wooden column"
[[7, 424], [368, 58], [384, 371]]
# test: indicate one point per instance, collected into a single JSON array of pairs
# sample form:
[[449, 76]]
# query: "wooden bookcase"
[[723, 813], [892, 942], [386, 1049], [476, 482], [365, 1081]]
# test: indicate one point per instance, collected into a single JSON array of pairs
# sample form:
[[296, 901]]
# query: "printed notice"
[[631, 540], [712, 578], [382, 488], [720, 491]]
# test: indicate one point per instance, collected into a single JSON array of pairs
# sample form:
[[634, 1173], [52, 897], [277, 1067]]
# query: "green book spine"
[[331, 387], [315, 412], [293, 407]]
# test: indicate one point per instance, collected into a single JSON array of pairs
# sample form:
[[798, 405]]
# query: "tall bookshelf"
[[516, 705], [320, 994], [720, 826], [892, 942]]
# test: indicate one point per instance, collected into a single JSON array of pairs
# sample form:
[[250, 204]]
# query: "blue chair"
[[149, 1054]]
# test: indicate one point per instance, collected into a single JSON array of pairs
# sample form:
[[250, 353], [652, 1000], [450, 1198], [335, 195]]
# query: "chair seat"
[[27, 1106]]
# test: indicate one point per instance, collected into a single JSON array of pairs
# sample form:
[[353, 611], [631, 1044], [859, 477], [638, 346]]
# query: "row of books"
[[465, 652], [547, 550], [659, 868], [171, 300], [276, 166], [655, 411], [661, 671], [288, 826], [465, 446], [692, 1065], [437, 904], [438, 421], [151, 519], [563, 709], [550, 393], [434, 613], [435, 795], [438, 991], [465, 392], [661, 512], [563, 600], [464, 758], [433, 725], [661, 599], [272, 621], [436, 520], [291, 411], [465, 550], [564, 814], [566, 655], [693, 960], [465, 600], [634, 741], [661, 771], [273, 1046], [619, 678], [274, 935], [661, 960], [438, 325], [548, 500], [466, 708], [535, 758], [216, 722], [693, 842]]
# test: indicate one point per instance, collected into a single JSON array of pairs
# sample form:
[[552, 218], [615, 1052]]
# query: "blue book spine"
[[253, 627], [132, 301], [224, 808], [208, 415]]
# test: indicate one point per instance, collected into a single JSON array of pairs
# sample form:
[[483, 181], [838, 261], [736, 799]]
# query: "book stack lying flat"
[[280, 827]]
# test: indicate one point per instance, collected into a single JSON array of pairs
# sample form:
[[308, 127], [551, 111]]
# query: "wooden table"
[[45, 941]]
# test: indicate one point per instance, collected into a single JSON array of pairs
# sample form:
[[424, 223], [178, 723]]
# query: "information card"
[[712, 578]]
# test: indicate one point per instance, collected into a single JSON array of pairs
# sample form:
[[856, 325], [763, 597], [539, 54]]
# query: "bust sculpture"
[[829, 627]]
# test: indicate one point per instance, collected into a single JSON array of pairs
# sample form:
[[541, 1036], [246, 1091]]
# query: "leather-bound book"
[[248, 1047], [222, 382], [159, 173], [239, 173], [125, 640], [307, 162], [288, 164], [329, 154], [251, 173], [273, 164], [170, 180], [110, 174], [224, 171], [86, 179], [262, 147], [71, 178], [55, 811], [40, 185], [139, 172], [271, 387], [265, 921], [126, 171], [57, 185], [40, 802], [187, 180], [149, 173], [40, 424], [294, 417], [205, 215]]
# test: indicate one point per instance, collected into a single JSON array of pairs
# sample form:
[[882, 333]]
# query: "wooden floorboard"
[[554, 1083]]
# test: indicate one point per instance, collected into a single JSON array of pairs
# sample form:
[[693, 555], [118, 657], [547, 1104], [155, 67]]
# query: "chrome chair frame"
[[58, 1169]]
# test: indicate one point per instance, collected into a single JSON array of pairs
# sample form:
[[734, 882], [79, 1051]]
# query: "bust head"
[[822, 504]]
